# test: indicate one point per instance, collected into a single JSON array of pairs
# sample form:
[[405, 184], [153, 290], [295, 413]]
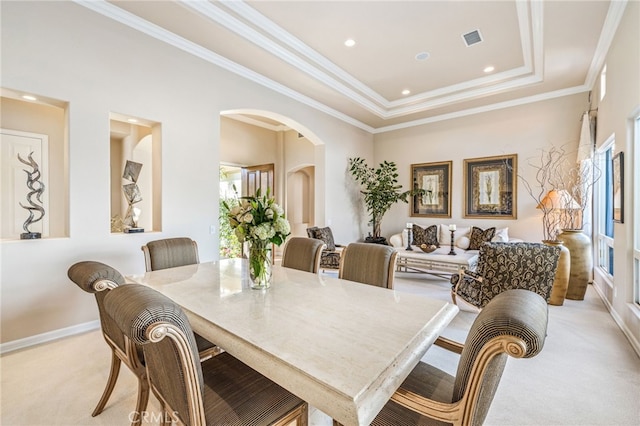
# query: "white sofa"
[[440, 262]]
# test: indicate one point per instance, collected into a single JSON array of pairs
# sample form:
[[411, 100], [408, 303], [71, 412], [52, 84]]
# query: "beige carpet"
[[587, 374]]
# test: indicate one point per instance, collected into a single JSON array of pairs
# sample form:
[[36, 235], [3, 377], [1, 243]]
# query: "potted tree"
[[380, 189]]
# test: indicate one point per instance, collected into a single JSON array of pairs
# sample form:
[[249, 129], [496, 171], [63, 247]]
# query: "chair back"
[[513, 323], [366, 263], [170, 253], [507, 266], [303, 254], [98, 278], [157, 323]]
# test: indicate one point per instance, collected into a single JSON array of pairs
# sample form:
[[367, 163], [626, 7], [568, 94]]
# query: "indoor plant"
[[380, 190], [260, 222]]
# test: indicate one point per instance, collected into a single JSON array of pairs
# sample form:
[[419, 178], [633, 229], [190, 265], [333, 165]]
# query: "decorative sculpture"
[[36, 188], [133, 196]]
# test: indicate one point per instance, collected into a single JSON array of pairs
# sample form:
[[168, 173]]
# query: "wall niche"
[[136, 184], [34, 125]]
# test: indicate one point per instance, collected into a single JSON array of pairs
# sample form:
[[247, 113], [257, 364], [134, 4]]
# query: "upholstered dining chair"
[[513, 323], [367, 263], [220, 390], [303, 254], [170, 253], [331, 254], [99, 278], [506, 266]]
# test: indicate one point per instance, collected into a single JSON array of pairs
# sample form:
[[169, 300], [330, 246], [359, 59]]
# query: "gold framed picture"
[[618, 187], [490, 189], [435, 180]]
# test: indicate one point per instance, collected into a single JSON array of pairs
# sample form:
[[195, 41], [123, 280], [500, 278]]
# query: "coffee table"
[[439, 262]]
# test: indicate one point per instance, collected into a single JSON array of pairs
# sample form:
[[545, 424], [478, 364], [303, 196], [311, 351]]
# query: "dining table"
[[344, 347]]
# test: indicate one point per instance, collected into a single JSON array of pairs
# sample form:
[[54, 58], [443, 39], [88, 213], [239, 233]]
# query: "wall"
[[524, 130], [621, 103], [65, 51]]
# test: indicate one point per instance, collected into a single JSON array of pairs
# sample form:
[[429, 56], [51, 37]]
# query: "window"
[[604, 203]]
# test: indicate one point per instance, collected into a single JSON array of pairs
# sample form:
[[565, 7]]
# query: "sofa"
[[466, 246]]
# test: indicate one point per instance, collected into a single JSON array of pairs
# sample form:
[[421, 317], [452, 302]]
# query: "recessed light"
[[350, 42], [489, 69], [132, 120], [422, 56], [406, 92], [29, 97]]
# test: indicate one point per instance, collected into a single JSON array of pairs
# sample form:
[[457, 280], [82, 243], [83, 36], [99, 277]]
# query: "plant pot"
[[561, 281], [579, 246]]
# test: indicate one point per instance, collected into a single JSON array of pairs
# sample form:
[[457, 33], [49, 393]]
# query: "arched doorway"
[[250, 137]]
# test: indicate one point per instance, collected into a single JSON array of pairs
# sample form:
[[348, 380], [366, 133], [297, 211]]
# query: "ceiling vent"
[[472, 38]]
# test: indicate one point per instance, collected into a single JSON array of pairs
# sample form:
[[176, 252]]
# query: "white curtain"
[[585, 159]]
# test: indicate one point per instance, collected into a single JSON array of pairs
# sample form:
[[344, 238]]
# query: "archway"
[[250, 136]]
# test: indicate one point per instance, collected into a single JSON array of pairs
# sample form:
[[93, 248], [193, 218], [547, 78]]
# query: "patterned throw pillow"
[[326, 236], [478, 236], [428, 235]]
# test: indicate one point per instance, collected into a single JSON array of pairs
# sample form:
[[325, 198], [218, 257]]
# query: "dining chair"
[[506, 266], [99, 279], [220, 390], [331, 254], [514, 323], [303, 254], [170, 253], [368, 263]]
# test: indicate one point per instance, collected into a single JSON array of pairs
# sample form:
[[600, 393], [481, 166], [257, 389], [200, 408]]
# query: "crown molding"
[[530, 73], [486, 108]]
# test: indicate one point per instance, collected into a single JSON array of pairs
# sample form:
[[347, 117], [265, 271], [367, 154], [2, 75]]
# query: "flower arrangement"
[[260, 221]]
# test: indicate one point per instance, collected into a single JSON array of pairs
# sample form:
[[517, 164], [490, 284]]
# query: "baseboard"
[[27, 342], [618, 320]]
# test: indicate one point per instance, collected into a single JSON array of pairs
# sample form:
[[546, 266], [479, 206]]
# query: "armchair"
[[330, 257], [506, 266]]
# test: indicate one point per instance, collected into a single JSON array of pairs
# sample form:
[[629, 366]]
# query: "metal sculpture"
[[133, 196], [36, 188]]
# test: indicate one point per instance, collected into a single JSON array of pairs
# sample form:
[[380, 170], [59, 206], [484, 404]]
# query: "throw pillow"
[[326, 236], [501, 236], [428, 235], [478, 236]]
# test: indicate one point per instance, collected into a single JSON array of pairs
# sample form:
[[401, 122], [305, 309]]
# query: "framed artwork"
[[490, 187], [618, 187], [435, 180]]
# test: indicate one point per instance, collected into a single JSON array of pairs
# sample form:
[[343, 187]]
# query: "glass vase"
[[260, 264]]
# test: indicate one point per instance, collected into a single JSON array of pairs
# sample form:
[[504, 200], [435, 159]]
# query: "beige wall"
[[615, 111], [183, 93], [524, 130], [187, 95]]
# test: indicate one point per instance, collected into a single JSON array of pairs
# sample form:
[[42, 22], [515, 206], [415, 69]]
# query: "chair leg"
[[143, 400], [113, 377]]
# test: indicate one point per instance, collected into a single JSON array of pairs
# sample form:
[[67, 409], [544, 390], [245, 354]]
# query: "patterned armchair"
[[330, 257], [506, 266]]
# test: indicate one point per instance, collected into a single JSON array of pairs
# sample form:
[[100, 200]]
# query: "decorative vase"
[[260, 264], [561, 281], [579, 246]]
